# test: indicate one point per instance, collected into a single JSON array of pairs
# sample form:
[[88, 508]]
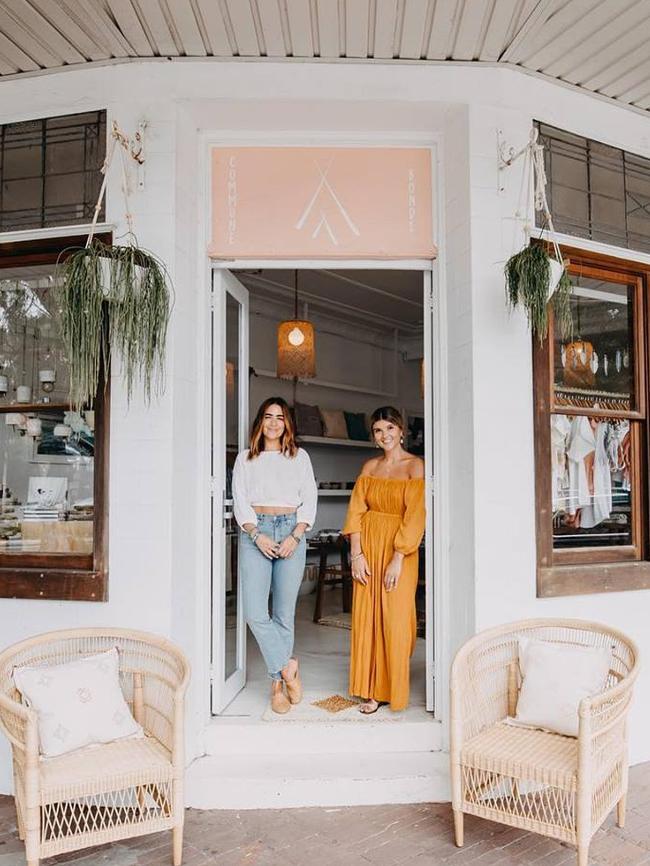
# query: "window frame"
[[599, 569], [63, 577]]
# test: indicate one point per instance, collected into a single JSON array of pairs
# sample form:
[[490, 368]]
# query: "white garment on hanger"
[[601, 508], [581, 443], [560, 433]]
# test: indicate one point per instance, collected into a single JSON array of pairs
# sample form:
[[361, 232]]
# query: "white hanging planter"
[[556, 269]]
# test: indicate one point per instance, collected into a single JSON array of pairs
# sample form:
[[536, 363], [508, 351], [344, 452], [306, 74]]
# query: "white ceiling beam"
[[575, 39], [327, 17], [641, 86], [498, 28], [385, 29], [159, 27], [27, 40], [69, 27], [33, 20], [187, 27], [413, 28], [471, 29], [215, 28], [243, 25], [130, 25], [101, 27], [272, 28], [609, 66], [443, 29], [357, 25], [7, 68], [299, 14], [627, 83], [528, 31], [16, 56]]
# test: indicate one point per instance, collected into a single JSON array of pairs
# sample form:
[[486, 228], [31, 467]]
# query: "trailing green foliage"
[[562, 307], [528, 274], [113, 298]]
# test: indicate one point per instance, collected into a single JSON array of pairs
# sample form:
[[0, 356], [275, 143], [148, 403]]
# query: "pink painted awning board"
[[321, 202]]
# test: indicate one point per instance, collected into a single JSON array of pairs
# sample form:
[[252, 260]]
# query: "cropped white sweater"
[[275, 480]]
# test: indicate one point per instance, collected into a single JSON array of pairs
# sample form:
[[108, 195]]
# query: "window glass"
[[595, 368], [592, 486]]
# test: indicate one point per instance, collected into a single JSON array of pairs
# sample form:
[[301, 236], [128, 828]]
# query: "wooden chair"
[[333, 575], [563, 787], [112, 791]]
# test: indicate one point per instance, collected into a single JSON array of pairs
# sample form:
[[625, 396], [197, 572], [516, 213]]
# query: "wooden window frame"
[[599, 569], [52, 576]]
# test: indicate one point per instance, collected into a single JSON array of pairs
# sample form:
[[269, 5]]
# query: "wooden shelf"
[[336, 443], [333, 492]]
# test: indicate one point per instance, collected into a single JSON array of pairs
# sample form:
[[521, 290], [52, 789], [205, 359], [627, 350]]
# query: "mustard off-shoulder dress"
[[389, 514]]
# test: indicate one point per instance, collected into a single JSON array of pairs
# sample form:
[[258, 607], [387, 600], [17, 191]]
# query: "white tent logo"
[[324, 210]]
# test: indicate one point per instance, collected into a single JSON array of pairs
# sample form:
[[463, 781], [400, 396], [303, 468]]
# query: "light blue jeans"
[[262, 577]]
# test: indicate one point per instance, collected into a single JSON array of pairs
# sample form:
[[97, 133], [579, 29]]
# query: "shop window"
[[591, 436], [50, 170], [596, 191], [53, 461]]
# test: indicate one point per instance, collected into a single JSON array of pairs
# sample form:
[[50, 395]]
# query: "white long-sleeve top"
[[274, 479]]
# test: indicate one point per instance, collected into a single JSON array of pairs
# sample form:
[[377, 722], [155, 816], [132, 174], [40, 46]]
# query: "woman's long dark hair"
[[387, 413], [288, 444]]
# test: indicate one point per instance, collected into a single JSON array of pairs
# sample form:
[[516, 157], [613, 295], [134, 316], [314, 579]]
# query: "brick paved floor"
[[380, 835]]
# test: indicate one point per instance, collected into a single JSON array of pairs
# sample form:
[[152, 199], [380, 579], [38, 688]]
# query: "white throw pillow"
[[77, 703], [555, 679]]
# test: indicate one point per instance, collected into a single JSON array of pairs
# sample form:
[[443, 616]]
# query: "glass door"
[[229, 416]]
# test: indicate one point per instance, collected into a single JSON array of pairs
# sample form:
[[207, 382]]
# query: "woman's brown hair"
[[387, 413], [288, 444]]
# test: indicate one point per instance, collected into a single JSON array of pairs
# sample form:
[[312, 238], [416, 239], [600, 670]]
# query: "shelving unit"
[[334, 492], [339, 443]]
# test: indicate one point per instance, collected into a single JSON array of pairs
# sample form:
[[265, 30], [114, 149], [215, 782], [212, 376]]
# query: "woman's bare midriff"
[[275, 510]]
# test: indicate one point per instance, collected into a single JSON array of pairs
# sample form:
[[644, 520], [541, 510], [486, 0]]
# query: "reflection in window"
[[592, 483], [47, 481], [595, 369]]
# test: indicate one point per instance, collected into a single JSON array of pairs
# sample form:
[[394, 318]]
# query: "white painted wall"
[[158, 528]]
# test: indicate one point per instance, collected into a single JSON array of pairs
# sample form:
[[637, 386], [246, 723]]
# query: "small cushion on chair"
[[77, 703], [334, 425], [556, 677]]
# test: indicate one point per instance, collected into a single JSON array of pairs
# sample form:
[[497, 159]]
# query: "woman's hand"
[[287, 547], [266, 545], [392, 573], [360, 570]]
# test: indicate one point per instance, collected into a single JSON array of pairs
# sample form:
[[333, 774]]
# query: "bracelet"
[[296, 538], [358, 556], [254, 534]]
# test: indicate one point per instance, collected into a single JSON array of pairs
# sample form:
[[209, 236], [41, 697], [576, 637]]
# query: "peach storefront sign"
[[321, 202]]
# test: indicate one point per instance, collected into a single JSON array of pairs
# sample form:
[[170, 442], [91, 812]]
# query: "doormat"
[[315, 707], [334, 704], [337, 620]]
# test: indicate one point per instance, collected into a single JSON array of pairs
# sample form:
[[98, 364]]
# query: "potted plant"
[[533, 279], [113, 299]]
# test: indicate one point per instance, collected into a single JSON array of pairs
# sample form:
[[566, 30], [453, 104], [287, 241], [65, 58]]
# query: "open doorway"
[[372, 343]]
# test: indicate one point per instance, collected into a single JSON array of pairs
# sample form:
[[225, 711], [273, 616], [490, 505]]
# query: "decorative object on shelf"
[[308, 420], [533, 277], [356, 425], [296, 346], [23, 394], [34, 427], [62, 431], [334, 426], [114, 298]]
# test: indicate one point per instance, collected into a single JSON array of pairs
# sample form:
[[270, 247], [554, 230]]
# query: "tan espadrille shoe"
[[279, 701], [294, 686]]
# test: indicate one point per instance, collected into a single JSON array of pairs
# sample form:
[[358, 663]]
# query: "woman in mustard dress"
[[385, 524]]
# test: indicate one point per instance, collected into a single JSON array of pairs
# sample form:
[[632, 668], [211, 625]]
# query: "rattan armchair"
[[112, 791], [562, 787]]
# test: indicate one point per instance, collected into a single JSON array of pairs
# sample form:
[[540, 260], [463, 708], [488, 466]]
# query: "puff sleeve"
[[244, 513], [306, 512], [357, 508], [409, 535]]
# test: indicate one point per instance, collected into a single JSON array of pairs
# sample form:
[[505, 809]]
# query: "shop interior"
[[368, 352]]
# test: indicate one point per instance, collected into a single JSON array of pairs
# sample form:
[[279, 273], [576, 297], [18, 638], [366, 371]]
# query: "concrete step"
[[233, 737], [280, 781]]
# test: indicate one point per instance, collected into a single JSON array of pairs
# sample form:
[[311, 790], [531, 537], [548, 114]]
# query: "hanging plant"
[[113, 299], [533, 278]]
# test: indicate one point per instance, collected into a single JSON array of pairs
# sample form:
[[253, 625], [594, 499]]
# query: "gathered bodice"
[[397, 501]]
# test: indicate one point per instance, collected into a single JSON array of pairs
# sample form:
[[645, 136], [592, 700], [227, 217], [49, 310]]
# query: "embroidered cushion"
[[308, 420], [555, 679], [334, 425], [77, 703], [356, 424]]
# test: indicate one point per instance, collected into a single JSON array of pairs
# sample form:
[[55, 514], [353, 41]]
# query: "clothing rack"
[[589, 399]]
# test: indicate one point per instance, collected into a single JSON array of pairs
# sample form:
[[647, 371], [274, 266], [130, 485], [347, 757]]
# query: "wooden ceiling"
[[600, 45]]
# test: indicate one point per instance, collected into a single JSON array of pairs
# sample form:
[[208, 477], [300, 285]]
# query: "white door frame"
[[440, 485]]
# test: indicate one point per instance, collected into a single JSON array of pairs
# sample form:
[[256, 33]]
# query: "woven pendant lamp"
[[296, 346]]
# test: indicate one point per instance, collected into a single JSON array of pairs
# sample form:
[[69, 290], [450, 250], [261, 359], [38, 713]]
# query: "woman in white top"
[[275, 504]]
